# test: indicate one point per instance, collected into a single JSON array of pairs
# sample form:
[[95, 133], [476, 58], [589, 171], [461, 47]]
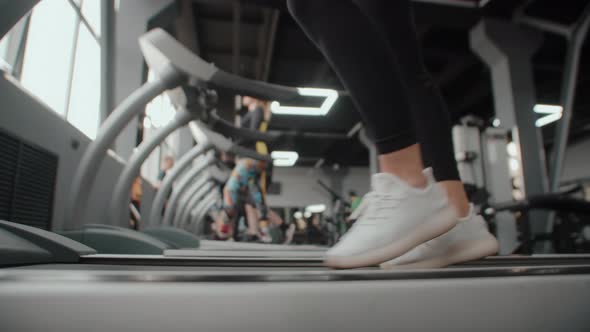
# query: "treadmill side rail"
[[109, 240], [56, 248]]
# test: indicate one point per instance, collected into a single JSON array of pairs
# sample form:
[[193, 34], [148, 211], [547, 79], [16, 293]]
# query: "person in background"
[[247, 183], [136, 193], [354, 199], [165, 166]]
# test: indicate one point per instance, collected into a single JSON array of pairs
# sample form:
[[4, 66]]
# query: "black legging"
[[372, 47]]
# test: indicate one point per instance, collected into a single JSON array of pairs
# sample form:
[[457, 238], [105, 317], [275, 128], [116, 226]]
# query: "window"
[[84, 107], [91, 11], [61, 62], [159, 111], [48, 53], [4, 52]]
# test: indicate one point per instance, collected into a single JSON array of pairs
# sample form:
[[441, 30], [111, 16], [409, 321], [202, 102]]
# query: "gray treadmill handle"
[[227, 129], [254, 88], [161, 49], [248, 153], [199, 130]]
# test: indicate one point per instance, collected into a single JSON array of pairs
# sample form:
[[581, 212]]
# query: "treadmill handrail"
[[554, 202], [226, 128], [160, 49], [221, 143]]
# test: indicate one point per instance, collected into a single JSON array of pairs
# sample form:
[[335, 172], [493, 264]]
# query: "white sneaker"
[[395, 219], [468, 241]]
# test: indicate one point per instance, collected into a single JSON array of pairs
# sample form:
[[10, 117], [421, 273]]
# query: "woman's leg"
[[395, 21], [348, 41], [406, 208], [224, 222], [252, 218], [231, 198]]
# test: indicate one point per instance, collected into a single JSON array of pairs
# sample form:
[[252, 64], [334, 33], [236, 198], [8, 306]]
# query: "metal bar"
[[568, 95], [373, 155], [236, 36], [545, 25], [107, 57], [166, 187], [72, 68], [483, 3], [181, 188], [195, 200], [189, 199], [16, 46], [84, 21], [262, 40], [94, 155], [186, 27], [184, 197], [355, 129], [271, 44], [120, 198], [11, 13], [200, 214], [454, 3], [280, 4]]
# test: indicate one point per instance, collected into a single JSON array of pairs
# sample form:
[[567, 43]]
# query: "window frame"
[[17, 44]]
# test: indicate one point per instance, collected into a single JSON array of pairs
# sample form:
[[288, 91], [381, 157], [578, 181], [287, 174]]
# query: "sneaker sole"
[[458, 253], [443, 222]]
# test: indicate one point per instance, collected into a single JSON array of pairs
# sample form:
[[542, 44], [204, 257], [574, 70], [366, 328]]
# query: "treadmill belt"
[[285, 275], [275, 260]]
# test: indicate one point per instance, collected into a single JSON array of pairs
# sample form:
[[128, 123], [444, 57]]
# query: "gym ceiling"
[[270, 46]]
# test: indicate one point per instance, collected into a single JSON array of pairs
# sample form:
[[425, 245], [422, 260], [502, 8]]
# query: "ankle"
[[412, 178], [463, 210], [405, 164], [457, 197]]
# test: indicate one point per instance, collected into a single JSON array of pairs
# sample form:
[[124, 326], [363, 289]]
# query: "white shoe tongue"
[[388, 183]]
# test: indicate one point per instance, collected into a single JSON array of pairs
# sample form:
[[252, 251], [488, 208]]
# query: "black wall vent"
[[27, 182]]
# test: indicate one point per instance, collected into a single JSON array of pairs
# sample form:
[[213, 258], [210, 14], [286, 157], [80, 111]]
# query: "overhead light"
[[330, 95], [547, 109], [284, 158], [512, 149], [514, 165], [316, 208], [298, 215], [547, 119], [552, 114], [307, 214], [147, 122], [496, 123]]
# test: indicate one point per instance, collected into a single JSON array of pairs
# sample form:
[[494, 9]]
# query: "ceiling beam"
[[236, 14], [262, 42], [186, 27], [280, 4], [453, 3], [270, 46]]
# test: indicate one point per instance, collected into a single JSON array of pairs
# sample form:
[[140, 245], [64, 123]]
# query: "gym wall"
[[27, 118], [299, 187]]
